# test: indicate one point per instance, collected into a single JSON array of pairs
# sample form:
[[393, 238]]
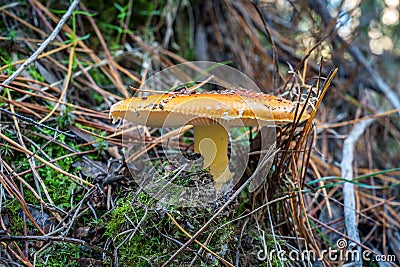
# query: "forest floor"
[[69, 198]]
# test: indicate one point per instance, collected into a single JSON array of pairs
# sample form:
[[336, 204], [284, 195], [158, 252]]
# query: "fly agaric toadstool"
[[211, 114]]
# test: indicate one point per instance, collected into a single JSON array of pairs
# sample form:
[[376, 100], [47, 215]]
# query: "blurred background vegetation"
[[50, 218]]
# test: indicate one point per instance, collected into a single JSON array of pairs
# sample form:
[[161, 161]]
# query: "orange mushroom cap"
[[230, 108]]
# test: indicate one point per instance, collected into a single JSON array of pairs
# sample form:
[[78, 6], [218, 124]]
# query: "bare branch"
[[348, 188], [43, 46]]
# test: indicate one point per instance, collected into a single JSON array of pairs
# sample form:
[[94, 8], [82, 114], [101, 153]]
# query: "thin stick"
[[205, 226], [199, 243], [54, 239], [43, 46], [35, 123], [343, 235], [65, 86], [30, 188], [112, 69], [73, 177], [348, 188], [321, 8]]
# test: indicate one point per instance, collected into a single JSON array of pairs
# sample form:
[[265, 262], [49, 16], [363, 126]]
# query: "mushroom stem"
[[211, 142]]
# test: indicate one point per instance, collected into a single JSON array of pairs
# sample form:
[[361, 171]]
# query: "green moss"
[[35, 74], [145, 242], [66, 119], [62, 254], [13, 209]]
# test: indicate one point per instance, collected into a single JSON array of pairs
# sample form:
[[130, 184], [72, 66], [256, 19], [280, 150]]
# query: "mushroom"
[[211, 114]]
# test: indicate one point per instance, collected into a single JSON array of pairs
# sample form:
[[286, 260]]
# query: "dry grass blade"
[[43, 45], [75, 178], [215, 215], [12, 189], [26, 62], [198, 242]]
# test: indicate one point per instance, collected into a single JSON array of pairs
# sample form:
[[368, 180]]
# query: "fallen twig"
[[216, 214], [348, 188], [43, 46]]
